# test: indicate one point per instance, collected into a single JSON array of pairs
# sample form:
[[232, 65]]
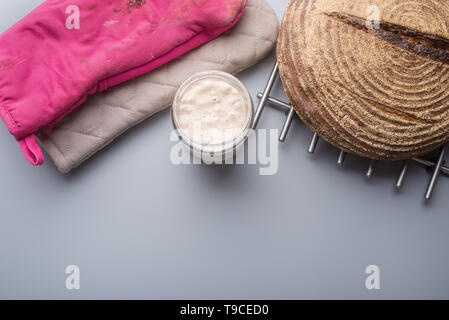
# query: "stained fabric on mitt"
[[48, 65]]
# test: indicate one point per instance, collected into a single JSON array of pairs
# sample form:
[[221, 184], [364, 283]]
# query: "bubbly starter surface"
[[212, 111]]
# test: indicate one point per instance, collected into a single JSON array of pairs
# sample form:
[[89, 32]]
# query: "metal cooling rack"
[[437, 166]]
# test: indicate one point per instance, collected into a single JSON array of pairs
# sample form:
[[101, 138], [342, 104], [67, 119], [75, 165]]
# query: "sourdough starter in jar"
[[212, 113]]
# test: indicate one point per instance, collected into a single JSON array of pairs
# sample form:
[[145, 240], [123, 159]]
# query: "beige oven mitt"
[[106, 115]]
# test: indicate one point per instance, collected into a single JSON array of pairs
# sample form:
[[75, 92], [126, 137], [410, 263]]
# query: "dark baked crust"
[[382, 94]]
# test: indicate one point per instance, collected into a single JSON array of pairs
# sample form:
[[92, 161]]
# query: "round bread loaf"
[[370, 77]]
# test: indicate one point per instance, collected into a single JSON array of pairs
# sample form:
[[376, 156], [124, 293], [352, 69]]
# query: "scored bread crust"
[[363, 91]]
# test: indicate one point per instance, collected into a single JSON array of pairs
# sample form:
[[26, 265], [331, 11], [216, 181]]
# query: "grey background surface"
[[140, 227]]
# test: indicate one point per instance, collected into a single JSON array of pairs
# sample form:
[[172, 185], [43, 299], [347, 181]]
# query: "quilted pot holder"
[[107, 115], [48, 64]]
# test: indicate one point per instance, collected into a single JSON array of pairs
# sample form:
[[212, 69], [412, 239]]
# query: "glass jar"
[[213, 83]]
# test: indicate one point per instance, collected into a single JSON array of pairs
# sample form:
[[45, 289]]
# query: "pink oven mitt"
[[66, 49]]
